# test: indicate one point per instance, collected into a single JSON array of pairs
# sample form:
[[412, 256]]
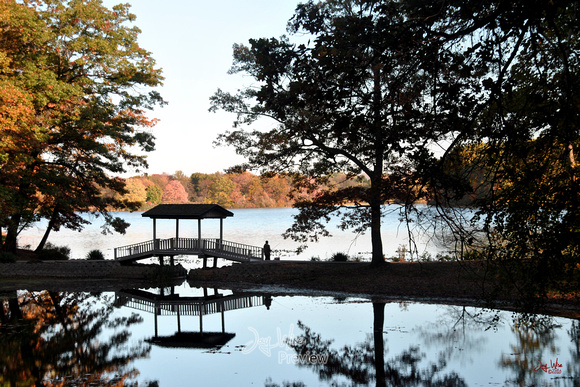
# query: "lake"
[[187, 335], [247, 226], [191, 336]]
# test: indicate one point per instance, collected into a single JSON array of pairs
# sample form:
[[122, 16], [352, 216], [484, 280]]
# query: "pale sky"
[[191, 40]]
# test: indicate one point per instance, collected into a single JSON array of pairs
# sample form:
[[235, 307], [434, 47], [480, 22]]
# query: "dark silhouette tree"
[[522, 59], [359, 97]]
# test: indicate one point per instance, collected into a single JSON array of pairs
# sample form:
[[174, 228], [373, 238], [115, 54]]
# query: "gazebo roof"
[[193, 340], [188, 211]]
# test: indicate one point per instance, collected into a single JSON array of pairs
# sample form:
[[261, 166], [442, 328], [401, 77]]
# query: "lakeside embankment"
[[82, 275], [467, 283], [442, 282]]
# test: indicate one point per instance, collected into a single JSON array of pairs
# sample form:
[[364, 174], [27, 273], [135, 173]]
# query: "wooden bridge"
[[202, 247], [213, 248]]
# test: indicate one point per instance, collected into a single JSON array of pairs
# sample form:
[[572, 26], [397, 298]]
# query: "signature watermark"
[[553, 368], [284, 344]]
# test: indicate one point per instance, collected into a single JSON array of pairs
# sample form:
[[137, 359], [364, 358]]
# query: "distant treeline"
[[240, 190]]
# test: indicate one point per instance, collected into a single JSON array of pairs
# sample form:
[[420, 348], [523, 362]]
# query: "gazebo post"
[[221, 231], [154, 234], [199, 233]]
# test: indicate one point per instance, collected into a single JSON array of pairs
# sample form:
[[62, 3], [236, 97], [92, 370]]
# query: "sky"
[[191, 40]]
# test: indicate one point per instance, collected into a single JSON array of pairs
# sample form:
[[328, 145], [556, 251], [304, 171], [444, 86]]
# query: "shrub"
[[339, 257], [54, 253], [6, 257], [95, 255]]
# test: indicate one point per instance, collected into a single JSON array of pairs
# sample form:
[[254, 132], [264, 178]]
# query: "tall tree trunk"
[[375, 200], [10, 243], [378, 258], [378, 322], [49, 228]]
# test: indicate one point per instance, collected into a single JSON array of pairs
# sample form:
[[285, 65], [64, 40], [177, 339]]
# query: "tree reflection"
[[49, 339], [574, 332], [453, 333], [364, 363], [534, 334]]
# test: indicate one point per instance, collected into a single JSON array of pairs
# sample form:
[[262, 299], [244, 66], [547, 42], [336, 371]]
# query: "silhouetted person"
[[267, 251], [267, 301]]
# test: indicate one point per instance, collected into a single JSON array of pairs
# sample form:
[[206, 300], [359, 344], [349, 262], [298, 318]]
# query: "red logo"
[[554, 367]]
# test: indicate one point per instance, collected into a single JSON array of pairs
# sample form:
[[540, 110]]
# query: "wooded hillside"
[[230, 190]]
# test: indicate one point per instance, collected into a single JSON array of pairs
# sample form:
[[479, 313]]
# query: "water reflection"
[[56, 338], [365, 362], [175, 335], [166, 302]]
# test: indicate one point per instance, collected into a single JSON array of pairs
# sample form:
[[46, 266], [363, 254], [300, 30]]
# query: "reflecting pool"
[[189, 336]]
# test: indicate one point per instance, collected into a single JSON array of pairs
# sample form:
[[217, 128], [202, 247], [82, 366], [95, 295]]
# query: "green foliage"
[[95, 255], [54, 253], [515, 161], [154, 194]]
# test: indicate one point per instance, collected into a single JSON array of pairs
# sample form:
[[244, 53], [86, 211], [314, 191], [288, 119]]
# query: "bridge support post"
[[215, 262], [161, 260]]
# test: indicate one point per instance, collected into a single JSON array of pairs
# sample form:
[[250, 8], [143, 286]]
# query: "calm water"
[[189, 336], [247, 226], [275, 340]]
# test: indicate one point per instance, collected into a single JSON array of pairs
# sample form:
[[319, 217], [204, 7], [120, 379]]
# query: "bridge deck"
[[215, 248]]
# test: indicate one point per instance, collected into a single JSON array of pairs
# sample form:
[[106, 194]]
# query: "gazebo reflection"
[[166, 302]]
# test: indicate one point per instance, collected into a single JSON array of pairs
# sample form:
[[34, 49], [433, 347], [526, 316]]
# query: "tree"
[[358, 98], [220, 192], [160, 179], [174, 193], [523, 61], [86, 77], [154, 194], [185, 181], [136, 191]]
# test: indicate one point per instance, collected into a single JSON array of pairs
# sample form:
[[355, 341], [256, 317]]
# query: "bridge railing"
[[137, 248], [191, 246], [232, 248]]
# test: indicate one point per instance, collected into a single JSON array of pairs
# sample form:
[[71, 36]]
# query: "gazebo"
[[188, 211], [216, 248]]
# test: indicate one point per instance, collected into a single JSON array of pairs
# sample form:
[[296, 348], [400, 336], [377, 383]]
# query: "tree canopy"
[[359, 98], [398, 90], [74, 90]]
